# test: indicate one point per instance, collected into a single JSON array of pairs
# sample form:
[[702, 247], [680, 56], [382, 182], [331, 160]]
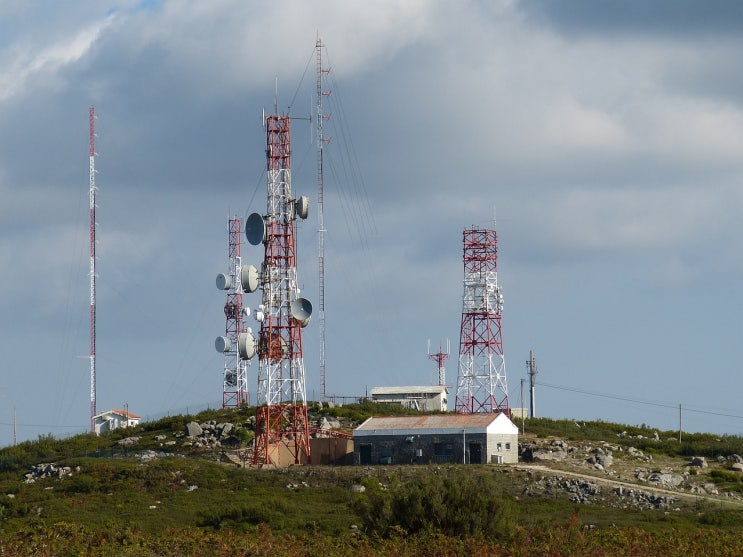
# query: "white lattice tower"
[[235, 374], [481, 385]]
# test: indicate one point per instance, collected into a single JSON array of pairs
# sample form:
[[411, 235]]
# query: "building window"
[[508, 446], [443, 452], [500, 447]]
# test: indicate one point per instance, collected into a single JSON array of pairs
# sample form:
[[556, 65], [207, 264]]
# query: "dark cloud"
[[678, 19]]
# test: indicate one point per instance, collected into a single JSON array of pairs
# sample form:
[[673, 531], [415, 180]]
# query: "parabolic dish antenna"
[[246, 345], [255, 229], [224, 282], [301, 310], [222, 344], [249, 277], [302, 206]]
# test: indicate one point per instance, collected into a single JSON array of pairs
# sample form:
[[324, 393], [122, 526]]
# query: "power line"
[[638, 401]]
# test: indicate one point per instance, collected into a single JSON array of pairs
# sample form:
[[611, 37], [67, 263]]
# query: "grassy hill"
[[150, 490]]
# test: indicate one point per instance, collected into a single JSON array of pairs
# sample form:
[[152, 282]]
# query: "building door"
[[365, 454], [475, 453]]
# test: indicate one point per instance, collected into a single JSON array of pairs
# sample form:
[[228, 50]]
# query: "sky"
[[603, 141]]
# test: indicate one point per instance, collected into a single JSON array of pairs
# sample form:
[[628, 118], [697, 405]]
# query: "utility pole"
[[531, 366], [522, 406]]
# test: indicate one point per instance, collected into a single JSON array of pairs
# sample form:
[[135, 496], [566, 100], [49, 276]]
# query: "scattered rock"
[[193, 429], [128, 441], [666, 479], [699, 462]]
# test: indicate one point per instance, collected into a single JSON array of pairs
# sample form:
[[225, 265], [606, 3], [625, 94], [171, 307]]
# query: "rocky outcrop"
[[600, 458], [586, 493], [47, 470], [538, 450], [210, 435], [666, 479]]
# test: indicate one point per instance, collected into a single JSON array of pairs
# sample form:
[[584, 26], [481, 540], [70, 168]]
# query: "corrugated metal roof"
[[435, 421], [408, 390]]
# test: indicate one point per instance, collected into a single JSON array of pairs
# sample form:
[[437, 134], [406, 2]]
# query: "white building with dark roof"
[[439, 438], [429, 398]]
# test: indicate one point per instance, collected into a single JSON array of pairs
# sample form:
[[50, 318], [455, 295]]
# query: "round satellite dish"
[[302, 206], [224, 282], [301, 310], [249, 278], [259, 315], [246, 345], [223, 344], [255, 229]]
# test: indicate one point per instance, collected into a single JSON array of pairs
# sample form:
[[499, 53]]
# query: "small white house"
[[429, 398], [114, 419]]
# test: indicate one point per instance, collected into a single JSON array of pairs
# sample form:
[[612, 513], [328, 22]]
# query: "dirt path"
[[628, 485]]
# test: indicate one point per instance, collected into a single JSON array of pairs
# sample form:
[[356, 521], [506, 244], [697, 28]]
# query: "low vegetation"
[[114, 502]]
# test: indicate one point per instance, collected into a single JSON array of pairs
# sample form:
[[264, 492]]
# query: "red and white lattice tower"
[[282, 427], [235, 374], [481, 385], [91, 195]]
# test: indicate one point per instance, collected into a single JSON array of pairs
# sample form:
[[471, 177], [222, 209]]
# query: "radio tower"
[[481, 386], [440, 358], [91, 195], [281, 416], [321, 140], [234, 345]]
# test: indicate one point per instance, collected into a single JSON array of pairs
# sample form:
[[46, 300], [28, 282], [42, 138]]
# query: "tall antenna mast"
[[321, 140], [91, 118]]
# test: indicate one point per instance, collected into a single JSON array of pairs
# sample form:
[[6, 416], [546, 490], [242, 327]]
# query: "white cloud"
[[28, 61]]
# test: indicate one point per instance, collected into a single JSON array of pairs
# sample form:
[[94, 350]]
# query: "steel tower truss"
[[92, 272], [281, 417], [481, 385], [235, 378]]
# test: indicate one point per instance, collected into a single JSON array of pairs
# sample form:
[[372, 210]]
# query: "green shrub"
[[454, 501]]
